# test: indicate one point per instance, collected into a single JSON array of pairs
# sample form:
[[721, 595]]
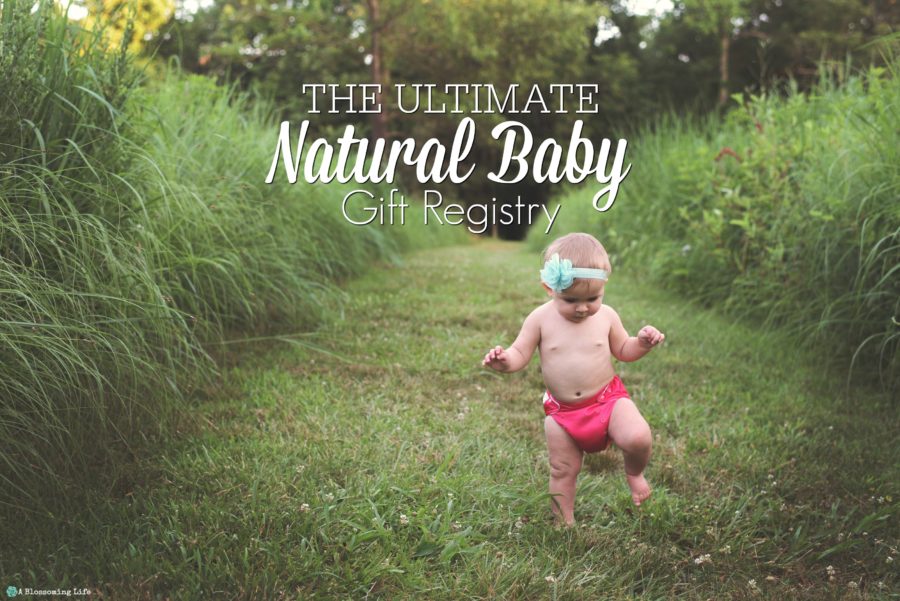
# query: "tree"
[[618, 60], [500, 42], [720, 18], [139, 19], [274, 49], [800, 36]]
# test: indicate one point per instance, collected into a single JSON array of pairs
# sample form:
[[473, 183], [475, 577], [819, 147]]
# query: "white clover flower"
[[702, 559], [328, 497], [304, 507], [752, 584], [550, 579], [404, 521], [852, 585]]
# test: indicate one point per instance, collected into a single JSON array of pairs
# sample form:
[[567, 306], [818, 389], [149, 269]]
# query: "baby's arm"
[[519, 354], [630, 348]]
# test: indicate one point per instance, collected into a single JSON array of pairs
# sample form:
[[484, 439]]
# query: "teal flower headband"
[[559, 274]]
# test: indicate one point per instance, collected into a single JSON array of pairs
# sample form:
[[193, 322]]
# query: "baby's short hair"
[[582, 249]]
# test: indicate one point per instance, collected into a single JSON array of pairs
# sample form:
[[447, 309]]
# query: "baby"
[[586, 403]]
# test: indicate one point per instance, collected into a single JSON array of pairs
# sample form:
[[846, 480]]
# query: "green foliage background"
[[644, 65], [784, 213]]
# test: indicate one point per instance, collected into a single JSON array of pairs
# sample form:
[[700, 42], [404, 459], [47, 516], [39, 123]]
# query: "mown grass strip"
[[413, 473]]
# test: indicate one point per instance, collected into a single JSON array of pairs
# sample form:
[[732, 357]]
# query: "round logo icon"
[[11, 591]]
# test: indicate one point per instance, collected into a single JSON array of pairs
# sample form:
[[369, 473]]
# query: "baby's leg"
[[629, 430], [565, 463]]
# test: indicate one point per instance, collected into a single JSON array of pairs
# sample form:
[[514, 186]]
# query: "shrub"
[[784, 212]]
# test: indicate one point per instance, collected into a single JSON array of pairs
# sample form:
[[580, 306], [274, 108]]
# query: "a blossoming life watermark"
[[14, 591]]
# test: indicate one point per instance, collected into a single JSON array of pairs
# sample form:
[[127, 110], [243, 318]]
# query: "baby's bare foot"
[[560, 523], [640, 490]]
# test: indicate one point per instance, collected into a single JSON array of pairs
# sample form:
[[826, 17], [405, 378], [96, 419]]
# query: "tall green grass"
[[77, 358], [786, 212], [136, 236]]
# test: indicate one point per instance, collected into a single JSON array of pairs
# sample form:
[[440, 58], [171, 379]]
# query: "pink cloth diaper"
[[587, 421]]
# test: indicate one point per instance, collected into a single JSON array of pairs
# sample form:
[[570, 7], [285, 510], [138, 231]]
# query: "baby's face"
[[580, 300]]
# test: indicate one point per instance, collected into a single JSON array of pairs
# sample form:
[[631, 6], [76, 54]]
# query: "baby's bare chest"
[[575, 339]]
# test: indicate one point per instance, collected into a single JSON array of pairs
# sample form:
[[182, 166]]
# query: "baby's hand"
[[497, 358], [650, 336]]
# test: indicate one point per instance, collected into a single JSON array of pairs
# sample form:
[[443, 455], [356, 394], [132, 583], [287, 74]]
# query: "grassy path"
[[386, 463]]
